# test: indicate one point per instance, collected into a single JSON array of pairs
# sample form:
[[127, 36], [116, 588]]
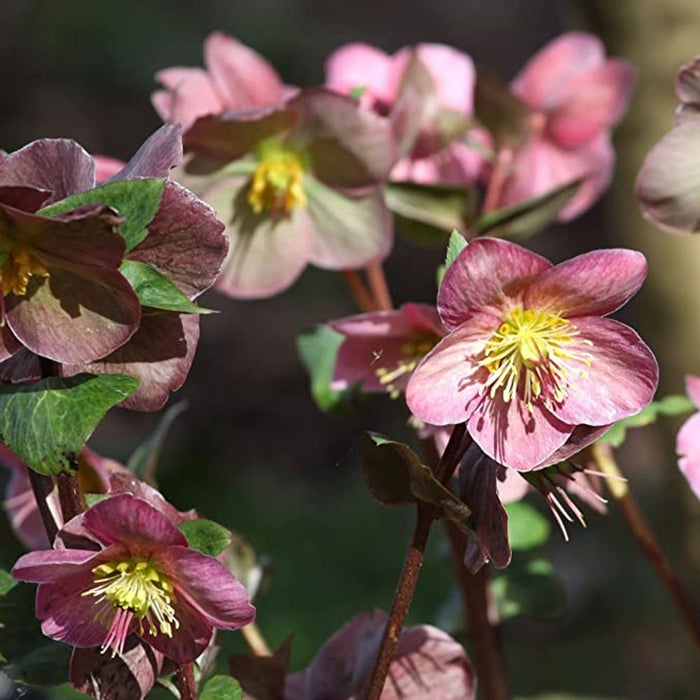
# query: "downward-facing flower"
[[381, 349], [575, 96], [144, 580], [236, 77], [429, 92], [688, 440], [294, 184], [528, 357]]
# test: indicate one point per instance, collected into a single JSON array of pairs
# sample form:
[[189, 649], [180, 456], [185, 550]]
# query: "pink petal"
[[242, 77], [511, 486], [582, 436], [106, 167], [592, 284], [23, 198], [688, 83], [457, 165], [51, 564], [688, 447], [692, 388], [486, 276], [547, 74], [619, 381]]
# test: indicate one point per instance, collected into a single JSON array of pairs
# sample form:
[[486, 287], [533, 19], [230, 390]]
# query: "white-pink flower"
[[688, 440]]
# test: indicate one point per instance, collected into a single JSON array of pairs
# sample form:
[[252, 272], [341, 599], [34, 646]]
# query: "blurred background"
[[254, 453]]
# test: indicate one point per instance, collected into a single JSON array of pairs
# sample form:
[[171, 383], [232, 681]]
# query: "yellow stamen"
[[413, 352], [531, 351], [277, 185], [18, 269]]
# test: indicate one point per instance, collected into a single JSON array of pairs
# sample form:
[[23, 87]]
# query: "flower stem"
[[42, 486], [70, 494], [184, 680], [359, 291], [379, 286], [685, 604], [499, 176], [255, 641]]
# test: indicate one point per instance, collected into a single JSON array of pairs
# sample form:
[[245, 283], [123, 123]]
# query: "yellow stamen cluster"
[[412, 352], [532, 351], [135, 585], [18, 270], [277, 185]]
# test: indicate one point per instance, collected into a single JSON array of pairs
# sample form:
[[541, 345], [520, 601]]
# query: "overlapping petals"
[[688, 439], [528, 357]]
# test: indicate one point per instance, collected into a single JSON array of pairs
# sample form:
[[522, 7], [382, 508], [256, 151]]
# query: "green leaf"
[[673, 405], [157, 291], [395, 477], [455, 246], [137, 200], [221, 688], [357, 92], [522, 220], [206, 536], [318, 349], [527, 528], [48, 422], [7, 583], [145, 457]]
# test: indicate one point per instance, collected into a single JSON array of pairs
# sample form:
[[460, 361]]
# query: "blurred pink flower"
[[235, 78], [528, 358], [576, 96], [143, 580], [688, 440], [429, 92]]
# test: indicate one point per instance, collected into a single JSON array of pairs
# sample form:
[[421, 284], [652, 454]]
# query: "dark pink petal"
[[582, 436], [592, 284], [207, 585], [484, 278], [51, 565], [445, 388], [106, 167], [241, 76], [59, 166], [159, 354], [158, 154], [185, 241], [132, 523], [349, 232], [692, 388], [189, 94], [619, 381], [23, 366], [23, 198], [9, 345], [515, 437], [547, 74], [265, 256], [688, 448]]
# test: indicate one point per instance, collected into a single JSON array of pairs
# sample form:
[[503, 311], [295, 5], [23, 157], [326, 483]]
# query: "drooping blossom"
[[295, 184], [668, 182], [184, 243], [428, 90], [143, 579], [235, 78], [688, 439], [529, 357], [575, 96], [428, 665]]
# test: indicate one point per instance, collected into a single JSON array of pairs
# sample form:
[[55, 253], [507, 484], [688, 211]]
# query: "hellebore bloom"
[[236, 77], [688, 440], [184, 244], [668, 183], [382, 348], [429, 92], [428, 665], [294, 184], [144, 580], [576, 96], [528, 357]]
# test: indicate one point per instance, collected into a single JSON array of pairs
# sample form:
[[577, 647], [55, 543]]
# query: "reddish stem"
[[499, 176], [42, 486], [379, 287], [359, 291], [70, 495], [184, 680]]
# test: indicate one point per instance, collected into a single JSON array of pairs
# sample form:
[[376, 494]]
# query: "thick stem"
[[402, 601], [475, 592], [499, 175], [379, 287], [685, 604], [359, 291], [70, 494], [42, 486], [184, 680], [255, 641]]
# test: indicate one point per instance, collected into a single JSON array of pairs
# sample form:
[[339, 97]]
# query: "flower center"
[[277, 182], [532, 349], [411, 354], [129, 588], [18, 268]]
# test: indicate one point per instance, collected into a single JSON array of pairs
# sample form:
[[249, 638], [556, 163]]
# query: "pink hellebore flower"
[[576, 96], [236, 77], [429, 92], [688, 440], [528, 358], [143, 580]]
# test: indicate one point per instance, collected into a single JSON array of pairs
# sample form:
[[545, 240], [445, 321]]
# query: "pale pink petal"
[[486, 276], [592, 284], [547, 74], [688, 83], [692, 388], [106, 167], [688, 447], [453, 73], [511, 486], [617, 379], [457, 165]]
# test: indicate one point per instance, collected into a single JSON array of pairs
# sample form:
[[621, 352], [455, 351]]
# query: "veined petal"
[[582, 436], [688, 448], [618, 379], [593, 284], [23, 198], [106, 167], [486, 275], [50, 565]]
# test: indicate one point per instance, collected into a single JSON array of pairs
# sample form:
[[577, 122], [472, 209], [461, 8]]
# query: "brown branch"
[[70, 495], [379, 287], [42, 486]]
